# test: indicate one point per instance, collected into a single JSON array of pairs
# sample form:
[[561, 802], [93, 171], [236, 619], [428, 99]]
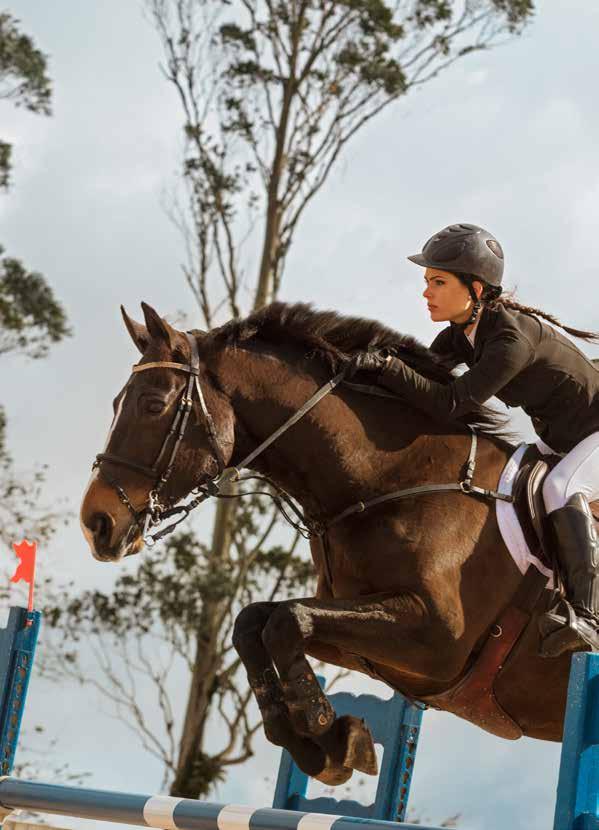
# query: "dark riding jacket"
[[518, 359]]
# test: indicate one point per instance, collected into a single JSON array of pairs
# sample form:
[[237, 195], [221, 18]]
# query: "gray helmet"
[[464, 249]]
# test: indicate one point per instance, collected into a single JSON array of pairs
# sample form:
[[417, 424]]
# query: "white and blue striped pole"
[[170, 813]]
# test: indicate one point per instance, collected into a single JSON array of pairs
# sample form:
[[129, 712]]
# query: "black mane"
[[333, 337]]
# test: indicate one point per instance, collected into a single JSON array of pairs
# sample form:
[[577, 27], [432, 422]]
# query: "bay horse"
[[407, 591]]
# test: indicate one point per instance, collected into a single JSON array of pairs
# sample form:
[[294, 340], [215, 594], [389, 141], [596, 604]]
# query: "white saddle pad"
[[508, 520]]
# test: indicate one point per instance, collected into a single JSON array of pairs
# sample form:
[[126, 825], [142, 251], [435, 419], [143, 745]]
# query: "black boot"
[[573, 623]]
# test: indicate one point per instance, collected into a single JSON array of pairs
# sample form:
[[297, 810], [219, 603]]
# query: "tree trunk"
[[266, 276], [193, 776]]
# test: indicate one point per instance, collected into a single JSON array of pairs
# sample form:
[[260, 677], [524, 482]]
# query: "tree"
[[30, 316], [271, 94], [164, 623], [23, 80]]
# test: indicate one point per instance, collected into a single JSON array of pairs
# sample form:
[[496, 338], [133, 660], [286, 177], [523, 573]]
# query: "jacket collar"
[[462, 342]]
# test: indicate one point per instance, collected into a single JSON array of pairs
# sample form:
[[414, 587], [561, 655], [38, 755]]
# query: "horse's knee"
[[250, 622], [287, 627]]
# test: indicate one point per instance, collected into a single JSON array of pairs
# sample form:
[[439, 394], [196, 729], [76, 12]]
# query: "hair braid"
[[492, 296]]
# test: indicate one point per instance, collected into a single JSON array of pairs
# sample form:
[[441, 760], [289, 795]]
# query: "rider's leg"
[[568, 489]]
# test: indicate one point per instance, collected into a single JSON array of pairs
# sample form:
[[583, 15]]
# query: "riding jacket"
[[520, 360]]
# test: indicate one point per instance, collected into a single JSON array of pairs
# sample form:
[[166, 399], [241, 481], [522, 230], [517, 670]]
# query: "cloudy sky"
[[507, 140]]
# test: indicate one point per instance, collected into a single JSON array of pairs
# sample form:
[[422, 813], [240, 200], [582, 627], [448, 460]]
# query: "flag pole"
[[26, 552], [31, 587]]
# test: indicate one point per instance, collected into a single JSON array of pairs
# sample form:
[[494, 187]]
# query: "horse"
[[407, 591]]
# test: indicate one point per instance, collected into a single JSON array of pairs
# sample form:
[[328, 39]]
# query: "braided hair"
[[493, 296]]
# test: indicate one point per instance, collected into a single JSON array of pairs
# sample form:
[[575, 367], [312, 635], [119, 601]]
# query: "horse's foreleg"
[[392, 630], [264, 682]]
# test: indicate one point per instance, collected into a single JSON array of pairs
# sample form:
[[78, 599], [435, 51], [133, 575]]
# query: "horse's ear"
[[159, 328], [139, 333]]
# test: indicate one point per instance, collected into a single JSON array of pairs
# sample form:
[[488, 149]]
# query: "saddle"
[[530, 505], [473, 696]]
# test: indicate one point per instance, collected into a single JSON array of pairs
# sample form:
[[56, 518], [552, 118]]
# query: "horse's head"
[[171, 431]]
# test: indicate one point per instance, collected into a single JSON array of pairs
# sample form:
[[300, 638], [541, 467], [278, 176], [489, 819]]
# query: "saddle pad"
[[508, 521]]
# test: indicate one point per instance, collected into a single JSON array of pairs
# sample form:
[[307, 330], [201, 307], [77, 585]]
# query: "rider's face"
[[446, 296]]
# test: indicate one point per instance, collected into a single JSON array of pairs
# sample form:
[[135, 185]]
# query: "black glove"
[[373, 362]]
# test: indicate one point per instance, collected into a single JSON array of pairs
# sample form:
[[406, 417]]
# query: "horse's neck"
[[306, 460], [348, 448]]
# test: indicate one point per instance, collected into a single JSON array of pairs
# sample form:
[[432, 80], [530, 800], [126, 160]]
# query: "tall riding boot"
[[573, 623]]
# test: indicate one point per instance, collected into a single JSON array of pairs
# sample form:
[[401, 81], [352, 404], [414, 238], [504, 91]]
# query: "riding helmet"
[[464, 249]]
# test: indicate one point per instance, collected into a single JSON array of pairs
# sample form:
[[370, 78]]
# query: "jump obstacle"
[[395, 723]]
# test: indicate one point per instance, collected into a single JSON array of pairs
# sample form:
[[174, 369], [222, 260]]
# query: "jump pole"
[[168, 812], [577, 803]]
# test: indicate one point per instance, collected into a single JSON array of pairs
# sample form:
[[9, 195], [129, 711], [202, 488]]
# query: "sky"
[[507, 140]]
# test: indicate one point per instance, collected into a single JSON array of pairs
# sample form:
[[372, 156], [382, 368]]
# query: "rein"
[[156, 512]]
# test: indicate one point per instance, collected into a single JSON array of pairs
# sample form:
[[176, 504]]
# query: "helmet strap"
[[475, 308]]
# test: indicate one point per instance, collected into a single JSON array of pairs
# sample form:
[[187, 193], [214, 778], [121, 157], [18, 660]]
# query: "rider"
[[513, 355]]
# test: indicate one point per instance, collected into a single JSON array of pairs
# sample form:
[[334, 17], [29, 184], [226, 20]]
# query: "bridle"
[[218, 485], [155, 510]]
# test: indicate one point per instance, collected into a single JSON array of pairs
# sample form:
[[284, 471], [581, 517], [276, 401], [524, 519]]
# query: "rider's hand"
[[372, 362]]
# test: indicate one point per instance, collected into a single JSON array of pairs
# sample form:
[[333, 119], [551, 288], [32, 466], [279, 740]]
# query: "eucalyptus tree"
[[271, 93], [31, 319], [23, 80]]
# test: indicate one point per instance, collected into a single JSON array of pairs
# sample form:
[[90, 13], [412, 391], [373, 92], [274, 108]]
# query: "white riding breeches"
[[577, 472]]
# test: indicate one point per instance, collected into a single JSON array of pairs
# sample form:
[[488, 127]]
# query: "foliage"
[[271, 93], [23, 79], [20, 500], [165, 608], [30, 316]]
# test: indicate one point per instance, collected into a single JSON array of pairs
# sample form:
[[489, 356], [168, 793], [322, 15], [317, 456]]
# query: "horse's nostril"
[[102, 526]]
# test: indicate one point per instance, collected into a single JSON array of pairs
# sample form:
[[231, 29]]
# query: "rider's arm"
[[443, 346], [503, 357]]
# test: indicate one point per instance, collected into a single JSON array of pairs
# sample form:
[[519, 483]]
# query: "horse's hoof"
[[334, 776], [360, 752], [348, 745]]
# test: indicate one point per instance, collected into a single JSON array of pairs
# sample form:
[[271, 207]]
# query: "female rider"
[[512, 354]]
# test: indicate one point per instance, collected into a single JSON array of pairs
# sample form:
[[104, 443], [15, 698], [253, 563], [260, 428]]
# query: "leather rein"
[[156, 511]]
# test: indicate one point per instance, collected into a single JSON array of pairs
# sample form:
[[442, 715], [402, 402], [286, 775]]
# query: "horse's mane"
[[333, 337]]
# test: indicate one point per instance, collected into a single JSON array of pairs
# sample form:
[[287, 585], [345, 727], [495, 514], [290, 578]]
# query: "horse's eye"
[[153, 407]]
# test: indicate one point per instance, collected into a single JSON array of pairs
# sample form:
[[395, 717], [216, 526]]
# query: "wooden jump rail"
[[168, 812]]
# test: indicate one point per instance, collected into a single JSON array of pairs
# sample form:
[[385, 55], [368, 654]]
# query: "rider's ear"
[[478, 288], [159, 328], [139, 333]]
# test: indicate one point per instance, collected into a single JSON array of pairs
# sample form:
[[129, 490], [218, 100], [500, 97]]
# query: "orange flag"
[[26, 552]]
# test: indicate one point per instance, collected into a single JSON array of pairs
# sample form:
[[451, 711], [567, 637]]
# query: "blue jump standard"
[[168, 812], [577, 804], [17, 650]]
